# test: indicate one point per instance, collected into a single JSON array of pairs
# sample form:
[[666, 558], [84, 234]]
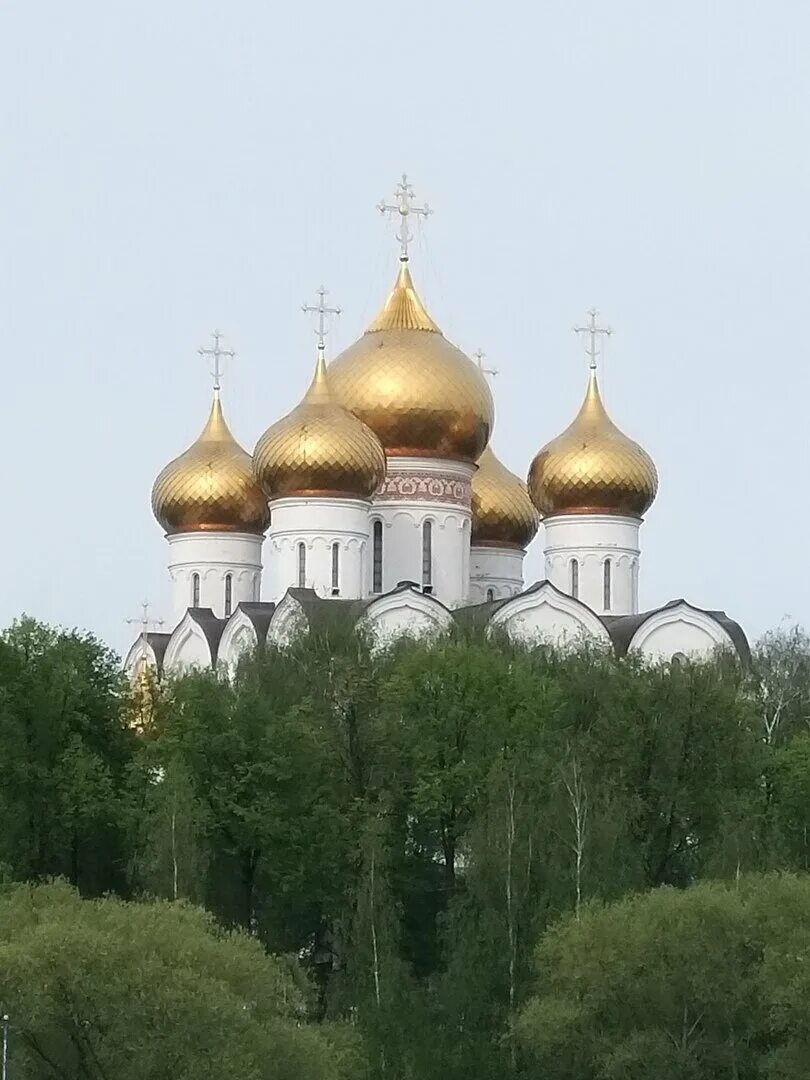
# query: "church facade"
[[380, 501]]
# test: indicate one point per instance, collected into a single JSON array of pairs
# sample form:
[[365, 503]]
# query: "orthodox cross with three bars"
[[144, 621], [481, 356], [323, 312], [592, 330], [216, 354], [403, 206]]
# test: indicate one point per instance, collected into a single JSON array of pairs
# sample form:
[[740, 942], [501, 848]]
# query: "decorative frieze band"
[[426, 487]]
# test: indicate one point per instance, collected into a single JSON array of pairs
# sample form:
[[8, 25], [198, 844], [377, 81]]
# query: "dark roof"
[[158, 643], [259, 614], [623, 628], [325, 611], [476, 616], [211, 626]]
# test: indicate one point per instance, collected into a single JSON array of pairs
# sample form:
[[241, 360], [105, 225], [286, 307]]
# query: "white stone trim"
[[288, 622], [407, 612], [680, 628], [238, 637], [139, 652], [188, 646], [547, 615]]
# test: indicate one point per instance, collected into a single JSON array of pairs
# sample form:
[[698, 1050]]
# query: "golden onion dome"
[[319, 448], [420, 395], [210, 488], [502, 512], [593, 467]]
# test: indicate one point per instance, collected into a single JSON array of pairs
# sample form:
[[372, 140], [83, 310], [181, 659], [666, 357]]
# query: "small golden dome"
[[593, 467], [502, 512], [319, 448], [420, 395], [210, 488]]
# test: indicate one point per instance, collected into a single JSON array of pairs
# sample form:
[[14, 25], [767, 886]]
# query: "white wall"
[[188, 647], [495, 568], [593, 539], [681, 630], [417, 490], [140, 652], [545, 615], [213, 555], [238, 637], [318, 524], [406, 613]]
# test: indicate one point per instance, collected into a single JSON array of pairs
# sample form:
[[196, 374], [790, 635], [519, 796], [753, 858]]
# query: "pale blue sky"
[[171, 167]]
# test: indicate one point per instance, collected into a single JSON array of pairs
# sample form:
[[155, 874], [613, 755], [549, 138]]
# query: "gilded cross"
[[593, 331], [217, 353], [481, 356], [144, 621], [323, 312], [403, 205]]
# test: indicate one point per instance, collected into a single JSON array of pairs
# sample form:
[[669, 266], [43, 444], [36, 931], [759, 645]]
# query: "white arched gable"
[[141, 652], [289, 621], [238, 637], [680, 629], [544, 615], [188, 646], [404, 613]]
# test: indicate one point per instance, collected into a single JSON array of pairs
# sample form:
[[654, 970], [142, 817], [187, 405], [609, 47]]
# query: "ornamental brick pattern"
[[426, 487]]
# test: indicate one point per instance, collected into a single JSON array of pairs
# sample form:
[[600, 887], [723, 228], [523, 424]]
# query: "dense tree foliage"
[[710, 981], [107, 988], [65, 753], [407, 826]]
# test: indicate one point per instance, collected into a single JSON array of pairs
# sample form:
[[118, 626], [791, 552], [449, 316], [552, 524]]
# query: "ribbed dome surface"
[[210, 487], [502, 512], [319, 448], [420, 394], [593, 467]]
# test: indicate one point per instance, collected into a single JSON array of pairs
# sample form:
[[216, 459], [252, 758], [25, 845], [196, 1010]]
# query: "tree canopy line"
[[457, 860]]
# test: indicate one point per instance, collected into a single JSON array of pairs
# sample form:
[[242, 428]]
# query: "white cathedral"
[[379, 500]]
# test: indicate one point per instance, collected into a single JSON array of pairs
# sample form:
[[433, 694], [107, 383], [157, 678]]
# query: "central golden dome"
[[319, 448], [593, 467], [210, 488], [502, 512], [420, 395]]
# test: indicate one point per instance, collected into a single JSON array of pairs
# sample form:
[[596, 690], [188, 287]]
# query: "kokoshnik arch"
[[379, 500]]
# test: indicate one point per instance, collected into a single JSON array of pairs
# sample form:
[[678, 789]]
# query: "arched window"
[[490, 595], [335, 569], [427, 557], [377, 558], [575, 579], [228, 594], [302, 566], [606, 582], [195, 590]]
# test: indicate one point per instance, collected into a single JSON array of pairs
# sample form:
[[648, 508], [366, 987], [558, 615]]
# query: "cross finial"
[[323, 312], [592, 330], [144, 621], [481, 356], [217, 354], [403, 205]]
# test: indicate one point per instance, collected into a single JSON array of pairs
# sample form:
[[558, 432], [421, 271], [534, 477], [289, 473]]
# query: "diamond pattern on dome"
[[210, 487], [502, 512], [420, 395], [593, 467], [319, 448]]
